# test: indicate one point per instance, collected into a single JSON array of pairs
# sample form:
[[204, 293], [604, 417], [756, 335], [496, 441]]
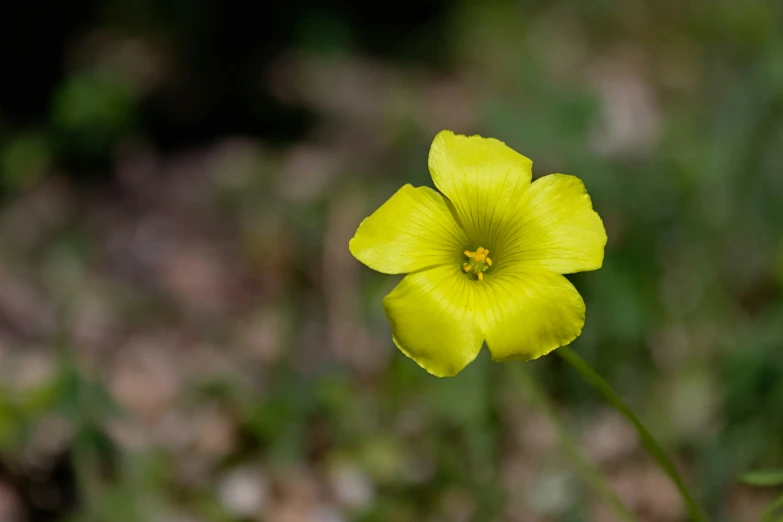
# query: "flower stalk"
[[588, 471], [695, 512]]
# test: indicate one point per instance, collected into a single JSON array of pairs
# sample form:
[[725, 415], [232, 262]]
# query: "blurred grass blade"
[[769, 512], [764, 478], [589, 472], [652, 446]]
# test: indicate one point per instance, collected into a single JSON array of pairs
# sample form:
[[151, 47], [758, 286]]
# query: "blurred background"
[[184, 336]]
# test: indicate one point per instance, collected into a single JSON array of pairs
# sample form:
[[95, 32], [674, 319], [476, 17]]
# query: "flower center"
[[477, 263]]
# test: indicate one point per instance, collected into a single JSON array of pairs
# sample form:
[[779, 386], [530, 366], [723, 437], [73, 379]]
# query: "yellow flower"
[[484, 257]]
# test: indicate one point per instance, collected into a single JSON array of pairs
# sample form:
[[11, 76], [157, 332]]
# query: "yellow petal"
[[483, 178], [414, 229], [529, 314], [434, 319], [556, 228]]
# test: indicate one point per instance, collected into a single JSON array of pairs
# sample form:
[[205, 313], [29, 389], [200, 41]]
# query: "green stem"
[[649, 442], [769, 512], [589, 472]]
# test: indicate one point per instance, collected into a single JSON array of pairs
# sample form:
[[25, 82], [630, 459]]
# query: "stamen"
[[479, 262]]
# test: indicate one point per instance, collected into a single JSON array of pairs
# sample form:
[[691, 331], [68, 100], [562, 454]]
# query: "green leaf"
[[763, 478], [650, 444]]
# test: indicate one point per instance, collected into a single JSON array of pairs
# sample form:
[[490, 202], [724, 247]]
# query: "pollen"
[[478, 262]]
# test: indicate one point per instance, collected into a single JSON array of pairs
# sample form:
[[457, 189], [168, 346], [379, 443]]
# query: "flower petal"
[[414, 229], [556, 229], [434, 319], [483, 178], [529, 314]]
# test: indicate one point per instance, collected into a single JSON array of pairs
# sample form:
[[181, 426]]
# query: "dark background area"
[[223, 50]]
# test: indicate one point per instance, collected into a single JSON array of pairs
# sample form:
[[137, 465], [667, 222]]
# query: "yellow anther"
[[479, 255], [479, 262]]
